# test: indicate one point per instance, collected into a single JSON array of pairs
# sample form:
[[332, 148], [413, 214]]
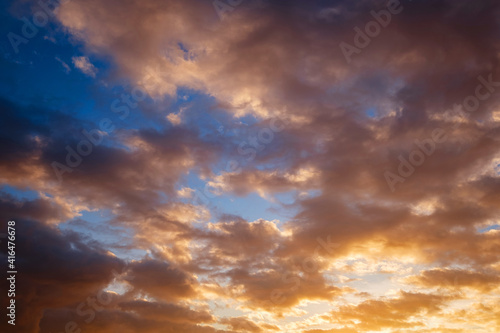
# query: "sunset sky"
[[226, 166]]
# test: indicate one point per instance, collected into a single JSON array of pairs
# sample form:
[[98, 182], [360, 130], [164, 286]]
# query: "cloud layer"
[[376, 192]]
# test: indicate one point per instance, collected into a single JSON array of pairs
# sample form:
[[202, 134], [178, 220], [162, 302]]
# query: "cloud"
[[484, 282], [66, 67], [160, 280], [403, 312], [167, 311], [77, 270], [242, 324], [83, 63], [347, 124]]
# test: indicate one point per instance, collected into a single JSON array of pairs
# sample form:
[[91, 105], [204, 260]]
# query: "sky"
[[256, 166]]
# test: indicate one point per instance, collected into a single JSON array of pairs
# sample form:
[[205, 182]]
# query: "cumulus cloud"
[[347, 240]]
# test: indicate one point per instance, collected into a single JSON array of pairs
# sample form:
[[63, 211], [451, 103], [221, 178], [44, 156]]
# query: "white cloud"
[[83, 64]]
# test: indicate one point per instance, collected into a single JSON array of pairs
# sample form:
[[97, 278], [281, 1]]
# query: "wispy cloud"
[[83, 63], [247, 190], [66, 67]]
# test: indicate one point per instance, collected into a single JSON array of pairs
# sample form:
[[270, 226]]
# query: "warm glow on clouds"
[[252, 166]]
